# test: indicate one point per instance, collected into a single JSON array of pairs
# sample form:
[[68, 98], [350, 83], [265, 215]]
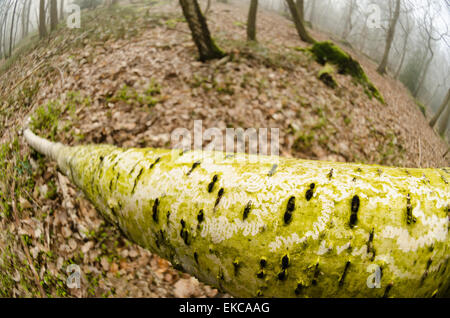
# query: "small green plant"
[[45, 119]]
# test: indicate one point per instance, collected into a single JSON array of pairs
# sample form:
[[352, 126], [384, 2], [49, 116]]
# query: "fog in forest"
[[419, 55]]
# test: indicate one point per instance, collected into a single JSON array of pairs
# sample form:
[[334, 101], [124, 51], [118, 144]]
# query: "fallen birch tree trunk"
[[295, 228]]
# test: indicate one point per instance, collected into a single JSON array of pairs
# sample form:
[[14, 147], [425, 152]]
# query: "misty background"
[[419, 57]]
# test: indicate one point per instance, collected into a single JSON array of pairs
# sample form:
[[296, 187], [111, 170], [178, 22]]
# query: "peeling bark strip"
[[276, 260]]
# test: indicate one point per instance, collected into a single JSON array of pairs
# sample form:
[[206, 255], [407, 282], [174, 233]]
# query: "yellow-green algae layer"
[[291, 229]]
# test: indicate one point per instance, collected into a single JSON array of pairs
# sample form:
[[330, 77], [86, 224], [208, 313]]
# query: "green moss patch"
[[326, 75], [328, 52]]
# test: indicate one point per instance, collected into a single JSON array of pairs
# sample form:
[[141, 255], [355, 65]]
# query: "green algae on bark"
[[304, 229]]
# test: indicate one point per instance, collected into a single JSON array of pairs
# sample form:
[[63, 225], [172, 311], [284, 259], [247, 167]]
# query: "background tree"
[[11, 39], [200, 33], [431, 36], [53, 14], [390, 37], [444, 104], [443, 123], [42, 16], [61, 9], [407, 27], [348, 26], [251, 23], [299, 23], [301, 9]]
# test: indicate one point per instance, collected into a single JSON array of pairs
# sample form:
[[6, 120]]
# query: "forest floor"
[[129, 77]]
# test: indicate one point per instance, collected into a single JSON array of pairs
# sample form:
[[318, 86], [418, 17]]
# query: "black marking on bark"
[[409, 216], [330, 174], [117, 180], [213, 182], [354, 209], [156, 161], [309, 194], [299, 289], [200, 216], [443, 179], [159, 238], [259, 293], [370, 248], [369, 243], [429, 263], [247, 210], [285, 262], [282, 275], [263, 262], [387, 290], [155, 210], [195, 165], [136, 181], [261, 274], [289, 209], [184, 233], [273, 170], [196, 257], [316, 274], [236, 266], [183, 223], [341, 280], [354, 179], [219, 196], [168, 217]]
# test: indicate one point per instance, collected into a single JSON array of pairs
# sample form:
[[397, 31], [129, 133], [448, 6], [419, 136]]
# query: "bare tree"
[[200, 33], [407, 28], [438, 114], [390, 37], [251, 22], [348, 27], [299, 23], [42, 27], [431, 37], [11, 39], [301, 9], [61, 9], [53, 14], [443, 124]]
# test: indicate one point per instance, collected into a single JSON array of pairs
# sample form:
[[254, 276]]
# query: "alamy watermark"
[[261, 141], [74, 18], [74, 276]]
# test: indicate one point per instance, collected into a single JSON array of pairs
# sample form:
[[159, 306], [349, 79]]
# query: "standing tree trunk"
[[390, 37], [424, 75], [61, 10], [444, 122], [301, 9], [42, 27], [348, 27], [299, 23], [208, 6], [207, 49], [251, 23], [402, 60], [435, 118], [53, 14], [11, 39]]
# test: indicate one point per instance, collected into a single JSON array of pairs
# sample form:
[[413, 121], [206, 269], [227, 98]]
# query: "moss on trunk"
[[328, 52], [295, 229]]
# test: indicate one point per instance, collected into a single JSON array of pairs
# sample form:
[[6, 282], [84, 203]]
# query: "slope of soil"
[[130, 77]]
